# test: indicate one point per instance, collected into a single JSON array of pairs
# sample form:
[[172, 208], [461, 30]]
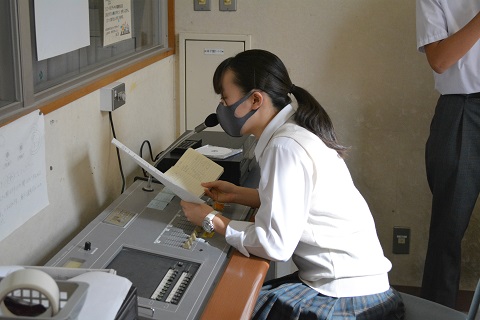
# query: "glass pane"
[[146, 35], [8, 93]]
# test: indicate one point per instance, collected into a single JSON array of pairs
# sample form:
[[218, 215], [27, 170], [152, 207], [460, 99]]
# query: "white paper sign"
[[23, 185], [117, 21], [61, 26]]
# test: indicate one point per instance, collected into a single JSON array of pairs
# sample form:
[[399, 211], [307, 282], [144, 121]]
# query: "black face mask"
[[230, 123]]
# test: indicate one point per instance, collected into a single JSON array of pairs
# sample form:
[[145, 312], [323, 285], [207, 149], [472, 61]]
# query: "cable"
[[118, 153], [151, 154]]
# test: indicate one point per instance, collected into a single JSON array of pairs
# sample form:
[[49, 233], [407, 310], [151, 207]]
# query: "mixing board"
[[146, 238]]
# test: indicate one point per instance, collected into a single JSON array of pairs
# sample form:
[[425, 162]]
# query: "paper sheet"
[[23, 184], [105, 295], [167, 182], [117, 21], [192, 169], [61, 26]]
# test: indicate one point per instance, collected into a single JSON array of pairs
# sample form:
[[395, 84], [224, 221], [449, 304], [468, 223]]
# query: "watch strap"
[[211, 215]]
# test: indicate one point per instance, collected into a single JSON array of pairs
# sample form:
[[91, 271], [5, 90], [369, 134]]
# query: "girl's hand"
[[221, 191], [195, 212]]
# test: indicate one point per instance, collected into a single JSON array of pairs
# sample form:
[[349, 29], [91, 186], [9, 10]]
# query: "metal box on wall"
[[200, 54]]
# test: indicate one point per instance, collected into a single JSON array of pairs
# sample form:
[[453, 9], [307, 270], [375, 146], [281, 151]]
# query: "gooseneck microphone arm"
[[210, 121]]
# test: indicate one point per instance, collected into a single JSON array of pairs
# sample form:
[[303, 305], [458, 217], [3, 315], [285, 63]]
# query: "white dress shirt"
[[439, 19], [311, 209]]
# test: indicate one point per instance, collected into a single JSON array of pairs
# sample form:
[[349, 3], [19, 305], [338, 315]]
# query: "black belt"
[[475, 95]]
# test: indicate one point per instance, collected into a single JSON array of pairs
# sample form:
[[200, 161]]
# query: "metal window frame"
[[24, 55], [18, 103]]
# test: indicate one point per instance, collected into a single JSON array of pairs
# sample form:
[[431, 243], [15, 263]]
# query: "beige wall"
[[83, 175], [359, 58]]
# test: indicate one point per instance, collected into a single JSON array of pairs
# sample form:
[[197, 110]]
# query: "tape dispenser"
[[29, 293]]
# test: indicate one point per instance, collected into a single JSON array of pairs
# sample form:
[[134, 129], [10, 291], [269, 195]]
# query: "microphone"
[[210, 121]]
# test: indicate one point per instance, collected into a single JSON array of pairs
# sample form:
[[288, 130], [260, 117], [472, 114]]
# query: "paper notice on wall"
[[117, 21], [23, 185], [61, 26]]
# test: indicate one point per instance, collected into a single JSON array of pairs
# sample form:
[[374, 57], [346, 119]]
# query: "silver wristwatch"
[[208, 221]]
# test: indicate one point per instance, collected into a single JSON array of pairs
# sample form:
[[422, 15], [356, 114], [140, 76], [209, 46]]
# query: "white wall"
[[359, 58], [83, 174]]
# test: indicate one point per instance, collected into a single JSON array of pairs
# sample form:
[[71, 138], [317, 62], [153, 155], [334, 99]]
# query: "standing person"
[[448, 33], [308, 206]]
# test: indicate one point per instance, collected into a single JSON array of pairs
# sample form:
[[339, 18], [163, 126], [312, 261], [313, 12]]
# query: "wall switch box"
[[112, 96], [201, 5], [227, 5], [401, 240]]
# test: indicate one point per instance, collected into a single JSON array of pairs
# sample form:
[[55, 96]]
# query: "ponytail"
[[311, 116]]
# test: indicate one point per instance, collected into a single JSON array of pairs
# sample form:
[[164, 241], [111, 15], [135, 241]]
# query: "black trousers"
[[452, 158]]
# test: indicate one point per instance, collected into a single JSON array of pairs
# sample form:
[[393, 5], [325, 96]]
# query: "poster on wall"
[[117, 21], [23, 182], [61, 26]]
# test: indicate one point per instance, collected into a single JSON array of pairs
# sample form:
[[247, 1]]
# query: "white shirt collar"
[[281, 117]]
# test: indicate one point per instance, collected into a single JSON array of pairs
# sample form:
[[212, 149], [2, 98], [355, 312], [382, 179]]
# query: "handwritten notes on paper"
[[23, 185], [117, 21], [192, 169]]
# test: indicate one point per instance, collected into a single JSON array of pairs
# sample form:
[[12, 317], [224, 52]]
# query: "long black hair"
[[260, 69]]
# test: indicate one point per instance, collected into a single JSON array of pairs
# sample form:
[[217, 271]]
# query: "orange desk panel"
[[237, 291]]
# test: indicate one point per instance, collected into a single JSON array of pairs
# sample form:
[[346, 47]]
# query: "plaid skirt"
[[289, 298]]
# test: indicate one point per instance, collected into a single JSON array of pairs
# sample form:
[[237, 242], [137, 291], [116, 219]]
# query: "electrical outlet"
[[227, 5], [112, 96], [201, 5], [401, 240]]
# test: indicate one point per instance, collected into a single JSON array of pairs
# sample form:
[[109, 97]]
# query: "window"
[[43, 82], [9, 81]]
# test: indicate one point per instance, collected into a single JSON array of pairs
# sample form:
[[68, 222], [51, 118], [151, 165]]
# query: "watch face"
[[207, 225]]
